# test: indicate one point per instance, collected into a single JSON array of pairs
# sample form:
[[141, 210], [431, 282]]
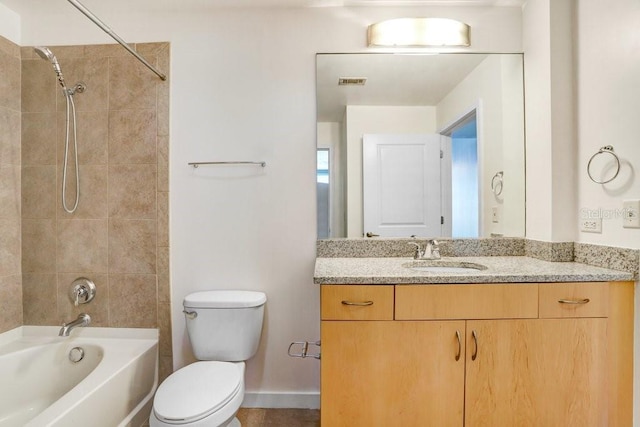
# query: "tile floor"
[[256, 417]]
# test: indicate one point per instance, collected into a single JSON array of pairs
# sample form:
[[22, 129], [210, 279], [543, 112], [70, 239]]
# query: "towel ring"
[[496, 183], [607, 149]]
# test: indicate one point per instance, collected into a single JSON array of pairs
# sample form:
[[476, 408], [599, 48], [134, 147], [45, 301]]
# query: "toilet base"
[[235, 423]]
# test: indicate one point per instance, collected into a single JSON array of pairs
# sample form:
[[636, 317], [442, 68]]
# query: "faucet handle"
[[418, 253], [82, 291]]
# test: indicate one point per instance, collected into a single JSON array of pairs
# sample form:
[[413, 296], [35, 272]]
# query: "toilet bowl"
[[224, 329], [203, 394]]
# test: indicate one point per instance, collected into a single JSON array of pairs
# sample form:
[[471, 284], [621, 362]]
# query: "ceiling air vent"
[[352, 81]]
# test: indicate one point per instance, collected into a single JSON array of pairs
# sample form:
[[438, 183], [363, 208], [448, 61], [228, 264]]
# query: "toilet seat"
[[197, 391]]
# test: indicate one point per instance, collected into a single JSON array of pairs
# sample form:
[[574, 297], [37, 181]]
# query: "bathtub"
[[112, 385]]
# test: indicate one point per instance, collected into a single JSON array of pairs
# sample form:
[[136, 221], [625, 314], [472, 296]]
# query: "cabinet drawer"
[[480, 301], [588, 299], [356, 302]]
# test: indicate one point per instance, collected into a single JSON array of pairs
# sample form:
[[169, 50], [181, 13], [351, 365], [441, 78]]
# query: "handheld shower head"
[[46, 54]]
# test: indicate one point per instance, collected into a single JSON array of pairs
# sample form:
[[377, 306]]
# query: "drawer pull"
[[474, 355], [357, 303], [459, 346], [574, 301]]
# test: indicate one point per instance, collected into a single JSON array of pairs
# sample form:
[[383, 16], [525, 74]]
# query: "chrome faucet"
[[83, 320], [431, 250]]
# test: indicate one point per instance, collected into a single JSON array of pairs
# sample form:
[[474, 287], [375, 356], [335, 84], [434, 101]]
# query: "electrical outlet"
[[591, 225], [494, 214], [631, 210]]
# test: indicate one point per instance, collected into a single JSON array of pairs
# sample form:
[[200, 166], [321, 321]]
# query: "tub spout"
[[83, 320]]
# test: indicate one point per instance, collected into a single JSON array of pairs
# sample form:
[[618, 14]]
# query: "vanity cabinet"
[[477, 355]]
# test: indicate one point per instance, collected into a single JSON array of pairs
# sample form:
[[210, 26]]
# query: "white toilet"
[[224, 328]]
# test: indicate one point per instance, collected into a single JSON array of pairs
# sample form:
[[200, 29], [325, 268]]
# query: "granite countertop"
[[500, 269]]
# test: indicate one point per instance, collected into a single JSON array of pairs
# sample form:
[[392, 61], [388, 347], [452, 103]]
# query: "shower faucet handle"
[[82, 291]]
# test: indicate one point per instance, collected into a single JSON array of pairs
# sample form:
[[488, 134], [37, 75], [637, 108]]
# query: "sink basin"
[[436, 266]]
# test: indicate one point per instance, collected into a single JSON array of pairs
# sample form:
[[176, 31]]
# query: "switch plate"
[[591, 225], [631, 213]]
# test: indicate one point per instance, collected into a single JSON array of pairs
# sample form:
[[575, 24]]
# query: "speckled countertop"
[[500, 269]]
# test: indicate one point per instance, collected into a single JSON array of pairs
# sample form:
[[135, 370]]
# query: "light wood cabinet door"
[[536, 373], [391, 373]]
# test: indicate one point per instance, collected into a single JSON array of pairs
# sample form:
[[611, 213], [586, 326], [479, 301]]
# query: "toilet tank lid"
[[225, 299]]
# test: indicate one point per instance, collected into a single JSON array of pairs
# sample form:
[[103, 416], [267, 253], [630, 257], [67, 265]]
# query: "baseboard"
[[305, 400]]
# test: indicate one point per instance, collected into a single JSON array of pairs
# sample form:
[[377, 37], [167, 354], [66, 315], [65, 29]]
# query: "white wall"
[[243, 88], [494, 89], [330, 136], [10, 24], [360, 120], [550, 127], [608, 106]]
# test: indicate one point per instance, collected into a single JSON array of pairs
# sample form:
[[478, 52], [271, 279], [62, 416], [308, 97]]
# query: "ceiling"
[[49, 6], [409, 80]]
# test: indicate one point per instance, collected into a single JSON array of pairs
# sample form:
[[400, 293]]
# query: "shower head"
[[46, 54]]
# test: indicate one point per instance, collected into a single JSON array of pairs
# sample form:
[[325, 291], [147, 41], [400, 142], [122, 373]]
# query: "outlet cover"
[[591, 225], [631, 212], [494, 215]]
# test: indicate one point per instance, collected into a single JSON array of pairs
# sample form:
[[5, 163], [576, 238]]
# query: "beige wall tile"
[[163, 219], [132, 191], [133, 300], [121, 220], [10, 82], [97, 308], [39, 86], [163, 163], [132, 137], [132, 246], [39, 139], [131, 84], [165, 367], [66, 52], [38, 246], [39, 192], [106, 50], [94, 73], [164, 284], [93, 202], [9, 137], [164, 324], [11, 297], [39, 303], [9, 47], [82, 245], [92, 129], [10, 247], [10, 192]]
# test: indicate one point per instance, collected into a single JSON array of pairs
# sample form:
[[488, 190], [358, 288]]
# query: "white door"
[[401, 185]]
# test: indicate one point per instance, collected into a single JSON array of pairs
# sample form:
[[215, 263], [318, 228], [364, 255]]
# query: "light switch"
[[631, 213]]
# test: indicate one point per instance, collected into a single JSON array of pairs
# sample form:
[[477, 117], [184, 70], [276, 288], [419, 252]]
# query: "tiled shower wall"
[[119, 235], [10, 275]]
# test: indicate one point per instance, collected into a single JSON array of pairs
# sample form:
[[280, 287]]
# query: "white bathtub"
[[113, 384]]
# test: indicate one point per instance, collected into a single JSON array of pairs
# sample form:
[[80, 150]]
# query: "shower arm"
[[113, 35]]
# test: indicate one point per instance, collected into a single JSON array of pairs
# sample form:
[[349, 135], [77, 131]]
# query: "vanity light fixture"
[[419, 32]]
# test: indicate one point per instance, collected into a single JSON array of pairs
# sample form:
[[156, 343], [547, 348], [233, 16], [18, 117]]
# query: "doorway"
[[465, 217]]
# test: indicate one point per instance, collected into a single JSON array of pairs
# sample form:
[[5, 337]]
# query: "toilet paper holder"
[[304, 349]]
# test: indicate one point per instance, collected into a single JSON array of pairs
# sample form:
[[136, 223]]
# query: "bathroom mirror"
[[383, 120]]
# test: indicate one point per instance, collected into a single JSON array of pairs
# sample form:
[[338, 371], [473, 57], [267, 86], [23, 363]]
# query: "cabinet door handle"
[[358, 303], [574, 301], [459, 346], [474, 335]]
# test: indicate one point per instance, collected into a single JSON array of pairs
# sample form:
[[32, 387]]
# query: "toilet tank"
[[224, 325]]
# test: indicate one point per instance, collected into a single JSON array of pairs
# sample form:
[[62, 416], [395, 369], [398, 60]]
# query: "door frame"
[[466, 113]]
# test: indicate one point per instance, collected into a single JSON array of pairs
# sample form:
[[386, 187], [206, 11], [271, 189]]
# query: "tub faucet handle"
[[82, 291]]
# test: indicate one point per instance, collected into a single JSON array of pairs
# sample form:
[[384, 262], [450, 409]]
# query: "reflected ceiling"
[[414, 80]]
